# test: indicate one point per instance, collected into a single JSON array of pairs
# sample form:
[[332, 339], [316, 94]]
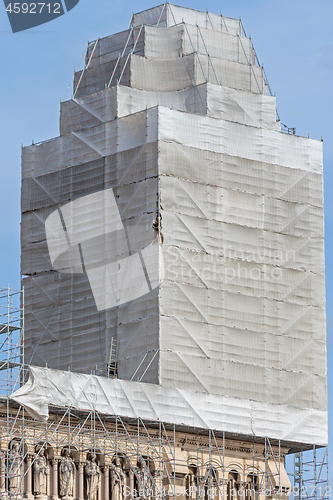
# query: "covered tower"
[[173, 234]]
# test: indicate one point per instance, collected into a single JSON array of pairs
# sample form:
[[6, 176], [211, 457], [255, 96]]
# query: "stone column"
[[223, 488], [54, 494], [81, 480], [106, 471], [28, 484], [241, 490], [153, 485], [201, 488], [131, 484], [158, 484], [191, 485], [2, 478]]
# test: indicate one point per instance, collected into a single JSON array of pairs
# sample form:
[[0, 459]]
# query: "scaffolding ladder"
[[112, 365]]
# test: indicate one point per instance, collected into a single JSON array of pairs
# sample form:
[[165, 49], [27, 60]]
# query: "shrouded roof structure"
[[173, 219]]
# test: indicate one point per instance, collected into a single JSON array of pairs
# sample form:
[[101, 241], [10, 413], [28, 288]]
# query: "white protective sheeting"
[[169, 59], [106, 105], [175, 406], [167, 75], [174, 216], [170, 15], [63, 333], [102, 246], [206, 99], [109, 48], [106, 139], [241, 141], [60, 330], [221, 45], [163, 124], [241, 174], [172, 42]]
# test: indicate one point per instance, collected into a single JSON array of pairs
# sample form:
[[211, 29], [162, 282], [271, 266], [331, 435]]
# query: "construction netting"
[[168, 15], [173, 218], [206, 99], [180, 407]]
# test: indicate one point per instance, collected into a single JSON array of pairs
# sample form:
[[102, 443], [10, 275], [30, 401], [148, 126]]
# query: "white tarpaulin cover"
[[174, 218], [175, 14], [175, 406]]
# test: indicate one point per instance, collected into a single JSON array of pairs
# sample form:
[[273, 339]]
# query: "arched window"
[[252, 487], [233, 485]]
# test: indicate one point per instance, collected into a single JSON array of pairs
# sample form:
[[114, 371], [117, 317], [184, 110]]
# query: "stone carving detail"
[[66, 474], [41, 474], [143, 477], [117, 480], [92, 473], [15, 467]]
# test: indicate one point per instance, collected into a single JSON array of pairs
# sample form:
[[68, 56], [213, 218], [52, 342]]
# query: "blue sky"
[[294, 41]]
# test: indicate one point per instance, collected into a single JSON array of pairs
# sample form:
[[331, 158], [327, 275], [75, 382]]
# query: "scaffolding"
[[11, 338], [151, 444], [149, 451], [154, 445], [311, 474]]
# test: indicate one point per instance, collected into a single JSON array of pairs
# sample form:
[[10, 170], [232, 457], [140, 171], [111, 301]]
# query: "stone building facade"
[[82, 456]]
